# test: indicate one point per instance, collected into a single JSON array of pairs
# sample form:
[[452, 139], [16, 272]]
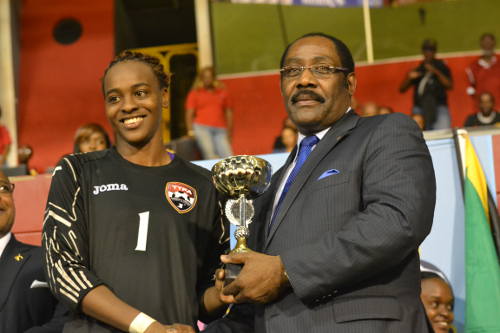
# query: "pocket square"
[[328, 173], [39, 284]]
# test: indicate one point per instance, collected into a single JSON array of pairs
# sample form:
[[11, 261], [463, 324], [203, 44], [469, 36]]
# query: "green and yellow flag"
[[482, 312]]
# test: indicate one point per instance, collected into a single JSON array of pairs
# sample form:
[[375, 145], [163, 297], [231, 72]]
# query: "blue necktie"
[[304, 150]]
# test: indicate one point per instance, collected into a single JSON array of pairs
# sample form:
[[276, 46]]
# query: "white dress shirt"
[[301, 137], [3, 242]]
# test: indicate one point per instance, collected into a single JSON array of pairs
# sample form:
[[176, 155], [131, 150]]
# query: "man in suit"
[[26, 304], [339, 231]]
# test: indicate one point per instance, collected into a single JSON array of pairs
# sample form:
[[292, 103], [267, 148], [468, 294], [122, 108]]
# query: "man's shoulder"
[[387, 127], [439, 62], [386, 119], [20, 250], [21, 246]]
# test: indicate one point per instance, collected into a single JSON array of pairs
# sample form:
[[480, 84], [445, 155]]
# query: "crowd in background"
[[431, 80], [209, 110], [209, 118]]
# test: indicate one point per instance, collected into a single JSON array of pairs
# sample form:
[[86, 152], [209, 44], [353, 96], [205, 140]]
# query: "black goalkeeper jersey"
[[153, 235]]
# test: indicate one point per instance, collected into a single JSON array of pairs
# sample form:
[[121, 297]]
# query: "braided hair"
[[152, 62]]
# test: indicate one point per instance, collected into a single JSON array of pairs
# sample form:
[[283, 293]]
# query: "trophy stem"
[[243, 211], [241, 178], [241, 245]]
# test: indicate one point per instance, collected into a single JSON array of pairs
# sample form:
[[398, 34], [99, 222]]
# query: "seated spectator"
[[437, 297], [484, 72], [26, 303], [24, 154], [5, 142], [369, 109], [279, 145], [91, 137], [419, 119], [487, 115], [430, 81], [289, 137], [184, 147], [385, 110]]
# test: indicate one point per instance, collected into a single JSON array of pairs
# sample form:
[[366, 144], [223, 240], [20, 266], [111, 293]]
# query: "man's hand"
[[413, 74], [219, 279], [261, 280], [430, 68]]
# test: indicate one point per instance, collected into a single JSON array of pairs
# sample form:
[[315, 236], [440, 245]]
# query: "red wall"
[[60, 87], [380, 83], [259, 109], [258, 113], [30, 198], [59, 84]]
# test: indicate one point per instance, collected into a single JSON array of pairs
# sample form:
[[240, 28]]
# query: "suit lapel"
[[13, 258], [338, 131], [275, 184]]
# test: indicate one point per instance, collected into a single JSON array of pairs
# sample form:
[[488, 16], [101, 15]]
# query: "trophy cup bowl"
[[241, 178]]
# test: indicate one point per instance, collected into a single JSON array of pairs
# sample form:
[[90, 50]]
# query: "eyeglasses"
[[317, 70], [6, 188]]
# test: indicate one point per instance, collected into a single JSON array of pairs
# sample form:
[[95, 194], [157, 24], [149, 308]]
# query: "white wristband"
[[140, 323]]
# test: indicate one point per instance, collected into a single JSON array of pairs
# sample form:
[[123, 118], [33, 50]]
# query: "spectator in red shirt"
[[484, 73], [5, 142], [209, 116]]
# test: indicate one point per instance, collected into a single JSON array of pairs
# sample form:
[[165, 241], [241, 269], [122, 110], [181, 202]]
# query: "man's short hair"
[[429, 44], [487, 93], [487, 34], [343, 51]]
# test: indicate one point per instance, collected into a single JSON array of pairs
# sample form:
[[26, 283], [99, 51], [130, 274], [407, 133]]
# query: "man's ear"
[[350, 83]]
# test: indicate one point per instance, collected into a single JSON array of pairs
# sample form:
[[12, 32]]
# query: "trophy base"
[[231, 272]]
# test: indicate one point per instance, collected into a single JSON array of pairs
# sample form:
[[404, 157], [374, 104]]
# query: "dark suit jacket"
[[349, 241], [24, 308]]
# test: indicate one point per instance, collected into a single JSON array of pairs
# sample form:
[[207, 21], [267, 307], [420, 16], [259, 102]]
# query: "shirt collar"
[[320, 134], [483, 63], [3, 242]]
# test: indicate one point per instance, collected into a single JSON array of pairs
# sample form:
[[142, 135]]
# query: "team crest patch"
[[181, 196]]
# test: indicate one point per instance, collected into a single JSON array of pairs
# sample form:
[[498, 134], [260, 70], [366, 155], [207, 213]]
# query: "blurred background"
[[54, 53]]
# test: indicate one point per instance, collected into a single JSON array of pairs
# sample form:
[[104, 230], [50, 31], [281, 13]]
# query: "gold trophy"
[[241, 178]]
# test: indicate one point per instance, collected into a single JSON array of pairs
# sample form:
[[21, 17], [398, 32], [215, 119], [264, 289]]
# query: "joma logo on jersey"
[[181, 196], [109, 187]]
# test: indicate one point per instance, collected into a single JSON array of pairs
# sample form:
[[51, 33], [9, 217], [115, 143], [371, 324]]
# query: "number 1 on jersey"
[[142, 235]]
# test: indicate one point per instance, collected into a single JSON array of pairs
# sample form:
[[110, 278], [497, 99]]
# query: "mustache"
[[307, 93]]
